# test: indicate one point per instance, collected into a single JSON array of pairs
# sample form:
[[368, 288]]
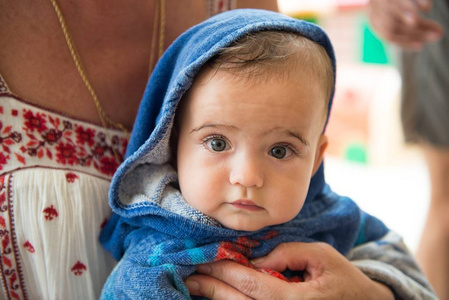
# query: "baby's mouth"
[[246, 205]]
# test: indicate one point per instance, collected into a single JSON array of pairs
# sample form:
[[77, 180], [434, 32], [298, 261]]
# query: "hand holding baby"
[[327, 275]]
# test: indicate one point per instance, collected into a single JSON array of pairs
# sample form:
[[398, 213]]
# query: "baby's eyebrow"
[[218, 126], [288, 132], [276, 130]]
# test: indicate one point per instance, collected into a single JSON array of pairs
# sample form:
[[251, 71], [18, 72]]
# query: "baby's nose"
[[247, 171]]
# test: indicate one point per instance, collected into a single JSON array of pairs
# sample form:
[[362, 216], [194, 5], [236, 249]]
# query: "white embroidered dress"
[[54, 178]]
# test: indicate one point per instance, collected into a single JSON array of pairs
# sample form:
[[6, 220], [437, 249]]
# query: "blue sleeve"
[[150, 268], [130, 280]]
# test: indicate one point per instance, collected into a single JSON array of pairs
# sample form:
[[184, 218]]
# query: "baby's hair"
[[265, 54]]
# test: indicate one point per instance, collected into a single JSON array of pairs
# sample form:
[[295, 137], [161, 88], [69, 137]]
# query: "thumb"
[[291, 256]]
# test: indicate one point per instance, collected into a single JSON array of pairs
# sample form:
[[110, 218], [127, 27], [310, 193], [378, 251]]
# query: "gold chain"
[[158, 14], [160, 7]]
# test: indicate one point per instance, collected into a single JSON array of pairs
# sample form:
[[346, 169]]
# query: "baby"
[[225, 162]]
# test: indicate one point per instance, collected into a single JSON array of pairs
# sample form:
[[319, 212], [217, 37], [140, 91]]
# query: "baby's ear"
[[319, 153]]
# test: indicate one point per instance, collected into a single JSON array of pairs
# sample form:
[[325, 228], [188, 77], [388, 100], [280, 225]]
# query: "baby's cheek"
[[288, 213], [293, 201], [204, 194]]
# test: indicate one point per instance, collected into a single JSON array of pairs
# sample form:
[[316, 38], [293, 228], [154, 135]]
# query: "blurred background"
[[367, 158]]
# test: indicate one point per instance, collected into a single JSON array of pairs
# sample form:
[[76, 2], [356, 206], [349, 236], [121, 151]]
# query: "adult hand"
[[401, 22], [327, 275]]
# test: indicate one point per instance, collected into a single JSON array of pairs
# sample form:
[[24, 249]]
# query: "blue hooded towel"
[[158, 238]]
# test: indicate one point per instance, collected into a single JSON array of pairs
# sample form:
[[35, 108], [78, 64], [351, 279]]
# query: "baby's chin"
[[246, 225], [252, 224]]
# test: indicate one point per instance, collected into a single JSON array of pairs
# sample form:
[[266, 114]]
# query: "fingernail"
[[204, 269], [193, 286], [258, 260]]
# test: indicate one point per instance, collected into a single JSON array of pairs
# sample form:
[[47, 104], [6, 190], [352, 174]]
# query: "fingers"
[[433, 30], [401, 22], [212, 288], [426, 31], [296, 256], [241, 281], [291, 256], [329, 276]]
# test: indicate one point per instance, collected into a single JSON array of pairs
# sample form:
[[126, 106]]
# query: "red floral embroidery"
[[35, 121], [108, 165], [2, 195], [5, 244], [5, 260], [98, 151], [20, 159], [50, 213], [3, 160], [29, 247], [48, 136], [14, 295], [66, 154], [7, 138], [70, 177], [52, 136], [11, 274], [78, 268], [12, 279], [85, 136]]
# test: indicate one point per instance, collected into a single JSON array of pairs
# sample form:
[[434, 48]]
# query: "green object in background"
[[374, 49], [356, 152]]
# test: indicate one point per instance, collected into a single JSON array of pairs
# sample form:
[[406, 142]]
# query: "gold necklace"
[[159, 17], [159, 7]]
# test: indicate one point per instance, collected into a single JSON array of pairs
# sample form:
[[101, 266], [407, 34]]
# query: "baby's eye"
[[217, 144], [280, 152]]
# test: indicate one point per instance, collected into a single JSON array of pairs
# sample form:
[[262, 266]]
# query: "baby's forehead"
[[285, 74], [222, 86]]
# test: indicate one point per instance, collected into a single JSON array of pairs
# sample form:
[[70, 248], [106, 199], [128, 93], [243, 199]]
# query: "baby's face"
[[247, 149]]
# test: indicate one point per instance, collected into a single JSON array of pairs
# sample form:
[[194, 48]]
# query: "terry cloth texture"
[[159, 247]]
